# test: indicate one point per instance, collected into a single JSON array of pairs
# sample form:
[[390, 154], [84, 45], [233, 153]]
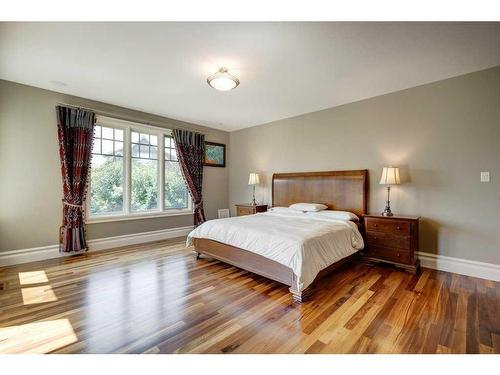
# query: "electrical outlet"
[[485, 176]]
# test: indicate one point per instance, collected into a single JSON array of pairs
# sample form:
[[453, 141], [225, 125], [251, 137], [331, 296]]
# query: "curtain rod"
[[124, 118]]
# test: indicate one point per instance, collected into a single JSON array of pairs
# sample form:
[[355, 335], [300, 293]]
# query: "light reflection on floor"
[[40, 336], [37, 338], [133, 302], [38, 294], [33, 277], [126, 305]]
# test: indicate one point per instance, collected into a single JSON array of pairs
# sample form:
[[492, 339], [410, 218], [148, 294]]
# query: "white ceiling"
[[285, 69]]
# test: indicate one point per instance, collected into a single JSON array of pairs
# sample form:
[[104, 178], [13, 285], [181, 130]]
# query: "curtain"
[[75, 128], [191, 154]]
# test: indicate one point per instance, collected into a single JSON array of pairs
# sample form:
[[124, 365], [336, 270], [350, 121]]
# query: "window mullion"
[[161, 167], [127, 152]]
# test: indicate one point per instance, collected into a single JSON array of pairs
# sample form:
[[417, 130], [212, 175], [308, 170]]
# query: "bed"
[[287, 246]]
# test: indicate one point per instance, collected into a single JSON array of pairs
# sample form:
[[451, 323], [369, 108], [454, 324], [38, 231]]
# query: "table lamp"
[[390, 176], [253, 179]]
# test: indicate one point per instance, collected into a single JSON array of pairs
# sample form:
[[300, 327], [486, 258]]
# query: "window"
[[176, 194], [135, 173], [144, 171], [107, 171]]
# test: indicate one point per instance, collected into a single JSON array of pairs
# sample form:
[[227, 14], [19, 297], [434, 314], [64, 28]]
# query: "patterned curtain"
[[75, 128], [191, 154]]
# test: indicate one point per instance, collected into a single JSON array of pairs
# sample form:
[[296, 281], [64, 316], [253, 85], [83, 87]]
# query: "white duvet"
[[305, 242]]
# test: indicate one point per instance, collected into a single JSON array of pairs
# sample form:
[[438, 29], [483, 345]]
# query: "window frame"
[[128, 213]]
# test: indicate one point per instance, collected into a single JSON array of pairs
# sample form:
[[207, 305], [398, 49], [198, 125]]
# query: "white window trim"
[[127, 213]]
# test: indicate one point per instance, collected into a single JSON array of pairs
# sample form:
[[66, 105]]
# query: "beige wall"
[[30, 176], [441, 135]]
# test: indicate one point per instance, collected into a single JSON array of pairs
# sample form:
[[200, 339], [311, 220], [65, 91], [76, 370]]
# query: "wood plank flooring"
[[156, 298]]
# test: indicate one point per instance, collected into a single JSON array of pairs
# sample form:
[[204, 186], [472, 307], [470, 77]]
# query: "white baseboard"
[[488, 271], [34, 254]]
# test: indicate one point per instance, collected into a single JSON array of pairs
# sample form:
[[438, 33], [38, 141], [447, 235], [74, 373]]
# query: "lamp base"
[[387, 210], [254, 202]]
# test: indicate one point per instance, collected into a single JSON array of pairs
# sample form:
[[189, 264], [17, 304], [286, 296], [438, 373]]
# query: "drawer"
[[388, 240], [390, 254], [397, 227], [241, 211]]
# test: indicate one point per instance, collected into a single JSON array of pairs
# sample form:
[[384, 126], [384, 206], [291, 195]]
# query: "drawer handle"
[[375, 225], [398, 255], [375, 238], [398, 227]]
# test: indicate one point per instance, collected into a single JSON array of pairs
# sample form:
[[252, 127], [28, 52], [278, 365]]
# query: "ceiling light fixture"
[[222, 80]]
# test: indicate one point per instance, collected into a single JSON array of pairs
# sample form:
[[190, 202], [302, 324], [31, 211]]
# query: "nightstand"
[[249, 209], [392, 239]]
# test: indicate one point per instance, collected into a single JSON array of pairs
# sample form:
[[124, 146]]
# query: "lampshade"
[[390, 176], [222, 80], [253, 179]]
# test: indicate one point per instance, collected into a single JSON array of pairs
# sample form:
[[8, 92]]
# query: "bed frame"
[[339, 190]]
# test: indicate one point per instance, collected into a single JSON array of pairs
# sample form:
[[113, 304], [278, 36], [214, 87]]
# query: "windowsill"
[[137, 216]]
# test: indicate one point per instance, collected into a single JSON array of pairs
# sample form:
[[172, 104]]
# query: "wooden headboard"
[[339, 190]]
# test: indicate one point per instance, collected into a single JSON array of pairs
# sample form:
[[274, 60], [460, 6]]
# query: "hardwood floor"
[[156, 298]]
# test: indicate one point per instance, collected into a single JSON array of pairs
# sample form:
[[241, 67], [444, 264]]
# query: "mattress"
[[305, 242]]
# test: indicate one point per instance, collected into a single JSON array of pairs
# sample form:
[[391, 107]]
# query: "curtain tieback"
[[72, 205]]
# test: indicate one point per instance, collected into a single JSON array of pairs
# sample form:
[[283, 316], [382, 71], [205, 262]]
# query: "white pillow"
[[281, 209], [308, 207], [339, 215]]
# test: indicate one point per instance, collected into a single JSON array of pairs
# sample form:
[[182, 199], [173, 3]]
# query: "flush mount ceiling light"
[[222, 80]]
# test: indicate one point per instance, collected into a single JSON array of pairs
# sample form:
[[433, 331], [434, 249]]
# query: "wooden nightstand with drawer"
[[392, 239], [249, 209]]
